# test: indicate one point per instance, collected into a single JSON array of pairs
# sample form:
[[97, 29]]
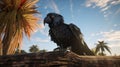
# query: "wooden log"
[[58, 59]]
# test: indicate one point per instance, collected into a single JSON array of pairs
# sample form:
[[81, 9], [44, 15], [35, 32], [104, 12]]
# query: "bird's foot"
[[59, 49]]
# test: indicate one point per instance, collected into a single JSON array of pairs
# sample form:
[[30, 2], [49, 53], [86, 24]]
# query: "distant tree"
[[20, 52], [93, 50], [114, 55], [23, 52], [34, 49], [42, 51], [101, 54], [101, 47]]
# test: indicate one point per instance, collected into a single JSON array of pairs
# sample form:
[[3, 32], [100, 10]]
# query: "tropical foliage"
[[93, 50], [22, 52], [16, 19], [101, 47], [34, 49], [43, 51]]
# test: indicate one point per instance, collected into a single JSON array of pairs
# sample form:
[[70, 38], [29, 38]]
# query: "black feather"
[[66, 35]]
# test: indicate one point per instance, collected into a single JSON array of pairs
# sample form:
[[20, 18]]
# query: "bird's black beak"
[[44, 22], [47, 20]]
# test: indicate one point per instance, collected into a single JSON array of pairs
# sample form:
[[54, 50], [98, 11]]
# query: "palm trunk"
[[1, 48], [102, 53]]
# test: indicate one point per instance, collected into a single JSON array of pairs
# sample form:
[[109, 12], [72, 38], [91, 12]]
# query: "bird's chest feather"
[[60, 33]]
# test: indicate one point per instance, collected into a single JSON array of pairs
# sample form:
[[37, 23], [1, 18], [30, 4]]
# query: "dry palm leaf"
[[16, 18]]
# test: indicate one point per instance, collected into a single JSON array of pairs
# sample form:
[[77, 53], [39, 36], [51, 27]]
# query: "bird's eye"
[[52, 16]]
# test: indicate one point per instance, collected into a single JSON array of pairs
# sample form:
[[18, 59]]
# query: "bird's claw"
[[59, 49]]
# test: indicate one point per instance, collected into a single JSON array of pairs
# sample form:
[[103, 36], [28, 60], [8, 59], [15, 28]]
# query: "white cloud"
[[104, 5], [88, 4], [112, 45], [112, 38], [96, 34], [36, 39], [45, 7], [42, 31], [42, 40], [40, 27], [115, 2], [51, 5], [98, 3], [71, 8], [92, 34], [105, 8], [101, 3], [106, 14], [117, 12], [115, 25], [54, 6]]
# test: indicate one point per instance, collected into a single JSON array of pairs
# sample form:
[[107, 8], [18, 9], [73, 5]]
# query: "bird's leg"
[[61, 47], [57, 49]]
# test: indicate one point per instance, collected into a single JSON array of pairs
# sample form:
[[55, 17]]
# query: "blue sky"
[[97, 19]]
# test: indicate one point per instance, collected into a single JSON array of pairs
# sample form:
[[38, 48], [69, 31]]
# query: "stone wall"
[[58, 59]]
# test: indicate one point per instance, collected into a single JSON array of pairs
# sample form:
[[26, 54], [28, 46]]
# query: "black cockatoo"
[[66, 35]]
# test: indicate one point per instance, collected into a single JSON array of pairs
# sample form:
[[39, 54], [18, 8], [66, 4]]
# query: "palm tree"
[[34, 49], [22, 52], [101, 47], [16, 19], [43, 51], [93, 50]]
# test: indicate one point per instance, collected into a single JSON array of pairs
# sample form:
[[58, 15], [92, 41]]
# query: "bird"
[[66, 35]]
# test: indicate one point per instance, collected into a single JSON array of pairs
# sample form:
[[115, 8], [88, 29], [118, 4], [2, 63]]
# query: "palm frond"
[[16, 18], [97, 49], [101, 46], [108, 49]]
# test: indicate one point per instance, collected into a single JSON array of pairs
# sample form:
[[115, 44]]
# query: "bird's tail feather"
[[81, 49]]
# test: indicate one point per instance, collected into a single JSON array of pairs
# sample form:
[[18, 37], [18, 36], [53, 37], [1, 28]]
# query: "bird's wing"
[[76, 32]]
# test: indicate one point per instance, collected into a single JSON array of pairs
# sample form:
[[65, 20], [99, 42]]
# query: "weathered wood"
[[58, 59]]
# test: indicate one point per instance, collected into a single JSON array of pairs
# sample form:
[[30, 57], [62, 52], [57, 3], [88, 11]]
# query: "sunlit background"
[[98, 20]]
